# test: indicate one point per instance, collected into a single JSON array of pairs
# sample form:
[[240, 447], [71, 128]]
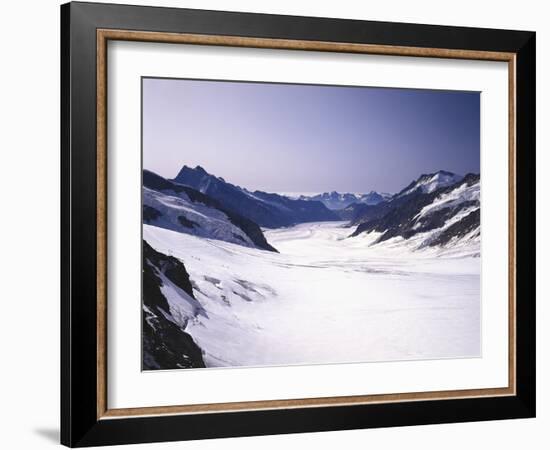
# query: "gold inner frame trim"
[[104, 35]]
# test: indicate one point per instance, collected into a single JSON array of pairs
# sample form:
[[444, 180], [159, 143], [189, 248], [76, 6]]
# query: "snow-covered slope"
[[405, 285], [448, 216], [323, 299], [430, 182], [179, 208], [178, 213]]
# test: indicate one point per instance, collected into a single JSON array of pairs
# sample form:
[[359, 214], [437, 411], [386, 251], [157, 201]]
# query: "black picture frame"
[[80, 425]]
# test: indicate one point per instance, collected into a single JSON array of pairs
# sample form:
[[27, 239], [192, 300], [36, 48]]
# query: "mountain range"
[[338, 201], [439, 209], [266, 209], [170, 205], [442, 208]]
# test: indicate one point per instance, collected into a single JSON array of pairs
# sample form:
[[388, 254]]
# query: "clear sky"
[[308, 138]]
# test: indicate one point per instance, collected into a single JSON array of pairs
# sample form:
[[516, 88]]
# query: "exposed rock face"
[[459, 229], [150, 213], [165, 344], [188, 223]]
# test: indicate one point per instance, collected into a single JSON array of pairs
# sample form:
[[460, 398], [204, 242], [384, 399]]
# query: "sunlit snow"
[[326, 298], [429, 184]]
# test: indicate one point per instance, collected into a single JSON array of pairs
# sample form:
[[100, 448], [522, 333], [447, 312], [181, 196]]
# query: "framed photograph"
[[277, 224]]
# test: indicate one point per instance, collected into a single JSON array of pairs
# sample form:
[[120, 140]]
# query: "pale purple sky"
[[307, 138]]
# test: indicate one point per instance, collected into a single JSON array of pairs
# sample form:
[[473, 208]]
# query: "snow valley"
[[233, 277]]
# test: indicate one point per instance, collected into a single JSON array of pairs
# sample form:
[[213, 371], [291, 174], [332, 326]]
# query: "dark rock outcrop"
[[457, 230], [165, 345], [150, 213], [186, 222]]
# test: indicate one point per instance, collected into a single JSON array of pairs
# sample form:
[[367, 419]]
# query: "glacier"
[[326, 297]]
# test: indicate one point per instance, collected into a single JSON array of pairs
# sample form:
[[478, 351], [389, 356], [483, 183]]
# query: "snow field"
[[325, 298]]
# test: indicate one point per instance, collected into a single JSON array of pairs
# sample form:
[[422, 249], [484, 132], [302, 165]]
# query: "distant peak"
[[443, 173], [429, 182], [199, 170], [446, 173], [188, 175]]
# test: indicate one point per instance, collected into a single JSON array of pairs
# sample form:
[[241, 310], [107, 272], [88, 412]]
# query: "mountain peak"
[[445, 172], [429, 182], [197, 178], [187, 173], [439, 173]]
